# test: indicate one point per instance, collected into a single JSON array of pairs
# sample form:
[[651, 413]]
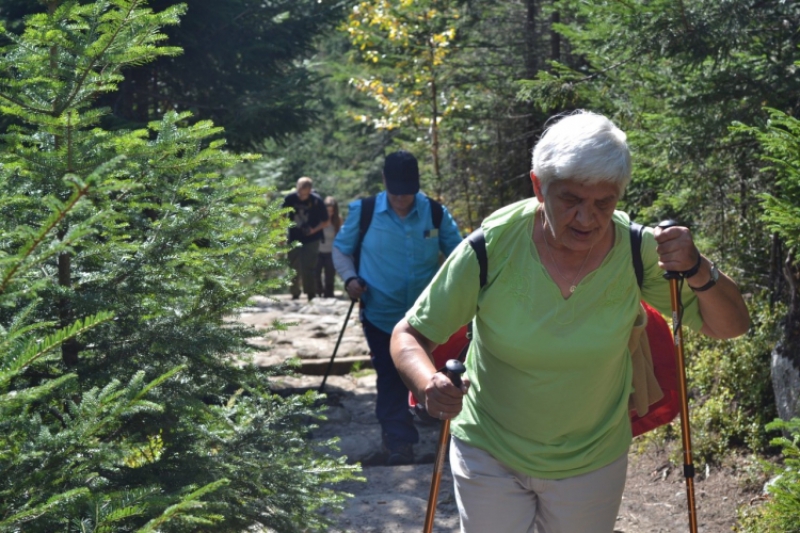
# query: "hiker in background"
[[325, 261], [541, 427], [399, 254], [310, 218]]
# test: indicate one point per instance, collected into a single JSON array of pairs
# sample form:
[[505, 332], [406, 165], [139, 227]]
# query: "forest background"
[[131, 230]]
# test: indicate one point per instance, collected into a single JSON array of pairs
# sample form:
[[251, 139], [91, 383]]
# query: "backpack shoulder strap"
[[636, 251], [365, 219], [437, 212], [477, 240], [367, 209]]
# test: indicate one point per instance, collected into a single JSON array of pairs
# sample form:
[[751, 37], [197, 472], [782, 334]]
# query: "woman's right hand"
[[444, 400], [411, 351]]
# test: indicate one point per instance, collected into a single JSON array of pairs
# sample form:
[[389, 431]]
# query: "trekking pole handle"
[[664, 224], [359, 280], [453, 370], [686, 434]]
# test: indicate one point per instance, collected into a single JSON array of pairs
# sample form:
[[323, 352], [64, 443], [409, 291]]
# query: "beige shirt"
[[326, 245]]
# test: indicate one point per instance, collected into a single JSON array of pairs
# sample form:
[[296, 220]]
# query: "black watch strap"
[[705, 287], [711, 282]]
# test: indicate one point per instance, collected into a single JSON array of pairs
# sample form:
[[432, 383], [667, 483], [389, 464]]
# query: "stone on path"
[[310, 335]]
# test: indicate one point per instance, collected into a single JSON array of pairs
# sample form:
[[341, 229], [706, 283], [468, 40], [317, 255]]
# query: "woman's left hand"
[[722, 307], [676, 249]]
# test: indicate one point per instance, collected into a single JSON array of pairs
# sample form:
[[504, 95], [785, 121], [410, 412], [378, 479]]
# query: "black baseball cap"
[[401, 172]]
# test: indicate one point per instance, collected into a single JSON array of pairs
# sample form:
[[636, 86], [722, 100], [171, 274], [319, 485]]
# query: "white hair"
[[583, 146]]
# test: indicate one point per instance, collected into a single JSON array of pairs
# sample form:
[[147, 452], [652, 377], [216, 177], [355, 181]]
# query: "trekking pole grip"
[[358, 280], [453, 370], [664, 224]]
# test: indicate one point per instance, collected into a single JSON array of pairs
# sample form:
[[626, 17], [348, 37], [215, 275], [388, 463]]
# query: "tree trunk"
[[69, 349], [555, 37], [434, 118], [535, 57], [532, 39], [785, 367]]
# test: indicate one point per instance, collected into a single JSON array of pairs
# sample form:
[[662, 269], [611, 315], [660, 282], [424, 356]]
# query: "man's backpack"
[[365, 219], [659, 338]]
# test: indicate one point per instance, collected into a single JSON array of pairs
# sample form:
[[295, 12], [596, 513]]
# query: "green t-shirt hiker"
[[541, 427]]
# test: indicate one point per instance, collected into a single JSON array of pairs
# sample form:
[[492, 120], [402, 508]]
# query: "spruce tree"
[[244, 64], [123, 255]]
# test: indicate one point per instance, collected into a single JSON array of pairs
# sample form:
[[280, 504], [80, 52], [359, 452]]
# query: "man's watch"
[[711, 282]]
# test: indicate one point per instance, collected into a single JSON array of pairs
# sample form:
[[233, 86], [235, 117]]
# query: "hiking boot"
[[402, 454]]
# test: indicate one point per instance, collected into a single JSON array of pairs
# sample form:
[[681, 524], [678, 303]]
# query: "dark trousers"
[[325, 264], [392, 405], [303, 260]]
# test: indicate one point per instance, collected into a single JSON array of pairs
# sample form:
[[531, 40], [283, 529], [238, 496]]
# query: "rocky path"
[[394, 499]]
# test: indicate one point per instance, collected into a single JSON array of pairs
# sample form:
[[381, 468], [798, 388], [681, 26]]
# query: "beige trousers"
[[492, 497]]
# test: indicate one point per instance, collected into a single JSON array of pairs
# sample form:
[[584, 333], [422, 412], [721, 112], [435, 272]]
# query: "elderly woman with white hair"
[[541, 427]]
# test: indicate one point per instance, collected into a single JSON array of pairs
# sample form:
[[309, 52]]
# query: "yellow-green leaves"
[[405, 46]]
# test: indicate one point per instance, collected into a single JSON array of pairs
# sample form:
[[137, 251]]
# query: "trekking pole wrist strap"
[[692, 271]]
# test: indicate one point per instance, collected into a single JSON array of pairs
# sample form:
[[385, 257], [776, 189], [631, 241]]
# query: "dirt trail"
[[393, 499]]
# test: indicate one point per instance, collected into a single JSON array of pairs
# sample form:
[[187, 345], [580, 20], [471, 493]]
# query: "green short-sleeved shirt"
[[550, 377]]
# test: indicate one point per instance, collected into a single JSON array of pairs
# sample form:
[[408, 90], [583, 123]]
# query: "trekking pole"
[[677, 319], [454, 369], [336, 348]]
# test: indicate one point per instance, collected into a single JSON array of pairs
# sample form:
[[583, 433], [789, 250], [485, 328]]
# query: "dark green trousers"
[[303, 260]]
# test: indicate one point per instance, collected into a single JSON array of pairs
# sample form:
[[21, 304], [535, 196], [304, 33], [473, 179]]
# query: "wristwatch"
[[711, 282]]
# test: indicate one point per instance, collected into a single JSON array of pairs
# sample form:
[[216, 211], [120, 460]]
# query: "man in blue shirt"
[[399, 256]]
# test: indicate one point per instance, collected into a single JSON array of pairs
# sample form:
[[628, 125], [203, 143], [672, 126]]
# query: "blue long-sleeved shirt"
[[399, 256]]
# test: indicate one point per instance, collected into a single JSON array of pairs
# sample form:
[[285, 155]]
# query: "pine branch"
[[82, 78], [55, 219], [36, 349]]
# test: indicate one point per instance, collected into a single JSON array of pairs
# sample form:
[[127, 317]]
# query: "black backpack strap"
[[437, 213], [365, 219], [636, 251], [477, 240], [367, 209]]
